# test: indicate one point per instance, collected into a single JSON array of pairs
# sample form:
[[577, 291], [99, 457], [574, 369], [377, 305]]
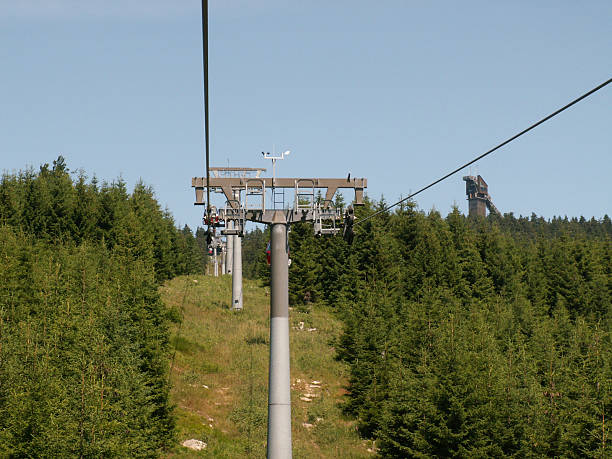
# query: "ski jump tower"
[[246, 200], [478, 196]]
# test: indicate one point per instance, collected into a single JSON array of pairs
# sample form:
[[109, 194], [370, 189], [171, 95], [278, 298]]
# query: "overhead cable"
[[575, 101], [206, 133]]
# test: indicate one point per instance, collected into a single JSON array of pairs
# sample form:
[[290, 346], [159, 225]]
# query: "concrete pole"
[[279, 400], [237, 267], [237, 275], [216, 262], [230, 248], [223, 257]]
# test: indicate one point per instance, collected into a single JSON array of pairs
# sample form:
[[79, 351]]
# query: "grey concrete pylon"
[[237, 275], [223, 250], [230, 248], [279, 401], [237, 269]]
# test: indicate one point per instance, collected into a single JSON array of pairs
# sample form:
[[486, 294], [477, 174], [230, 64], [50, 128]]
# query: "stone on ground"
[[194, 444]]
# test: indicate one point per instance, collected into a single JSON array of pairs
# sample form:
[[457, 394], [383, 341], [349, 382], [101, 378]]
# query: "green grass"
[[220, 374]]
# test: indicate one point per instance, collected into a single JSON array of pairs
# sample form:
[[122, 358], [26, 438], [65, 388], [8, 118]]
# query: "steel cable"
[[206, 131]]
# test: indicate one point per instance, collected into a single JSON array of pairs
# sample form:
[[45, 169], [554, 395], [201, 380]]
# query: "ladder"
[[304, 194]]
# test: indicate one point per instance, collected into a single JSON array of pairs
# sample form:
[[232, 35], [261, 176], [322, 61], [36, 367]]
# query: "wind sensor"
[[268, 155], [278, 195]]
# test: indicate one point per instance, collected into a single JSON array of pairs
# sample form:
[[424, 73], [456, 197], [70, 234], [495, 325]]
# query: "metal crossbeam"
[[290, 215], [236, 171], [227, 185]]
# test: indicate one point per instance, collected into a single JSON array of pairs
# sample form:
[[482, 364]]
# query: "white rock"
[[194, 444], [308, 426], [312, 329], [315, 382], [305, 399]]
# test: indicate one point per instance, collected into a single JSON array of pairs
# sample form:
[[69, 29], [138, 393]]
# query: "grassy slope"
[[220, 374]]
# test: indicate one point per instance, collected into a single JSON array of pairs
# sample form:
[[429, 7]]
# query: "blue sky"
[[400, 92]]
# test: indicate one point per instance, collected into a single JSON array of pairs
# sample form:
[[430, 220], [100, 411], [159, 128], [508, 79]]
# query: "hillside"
[[437, 336], [458, 337], [219, 374]]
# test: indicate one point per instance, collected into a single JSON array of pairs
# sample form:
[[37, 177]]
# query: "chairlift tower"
[[237, 303], [229, 258], [233, 230], [326, 218], [217, 248]]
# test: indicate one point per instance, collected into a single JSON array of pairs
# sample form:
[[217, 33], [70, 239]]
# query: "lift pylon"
[[306, 208]]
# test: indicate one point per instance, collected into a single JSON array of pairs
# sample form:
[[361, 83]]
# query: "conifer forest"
[[470, 337], [461, 336], [83, 333]]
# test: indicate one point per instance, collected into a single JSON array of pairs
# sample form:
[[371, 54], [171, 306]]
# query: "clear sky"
[[400, 92]]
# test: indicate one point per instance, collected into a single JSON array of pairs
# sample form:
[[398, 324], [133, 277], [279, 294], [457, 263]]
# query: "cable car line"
[[206, 131], [575, 101]]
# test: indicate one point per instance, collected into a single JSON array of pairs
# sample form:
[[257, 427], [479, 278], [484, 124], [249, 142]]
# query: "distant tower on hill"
[[478, 196]]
